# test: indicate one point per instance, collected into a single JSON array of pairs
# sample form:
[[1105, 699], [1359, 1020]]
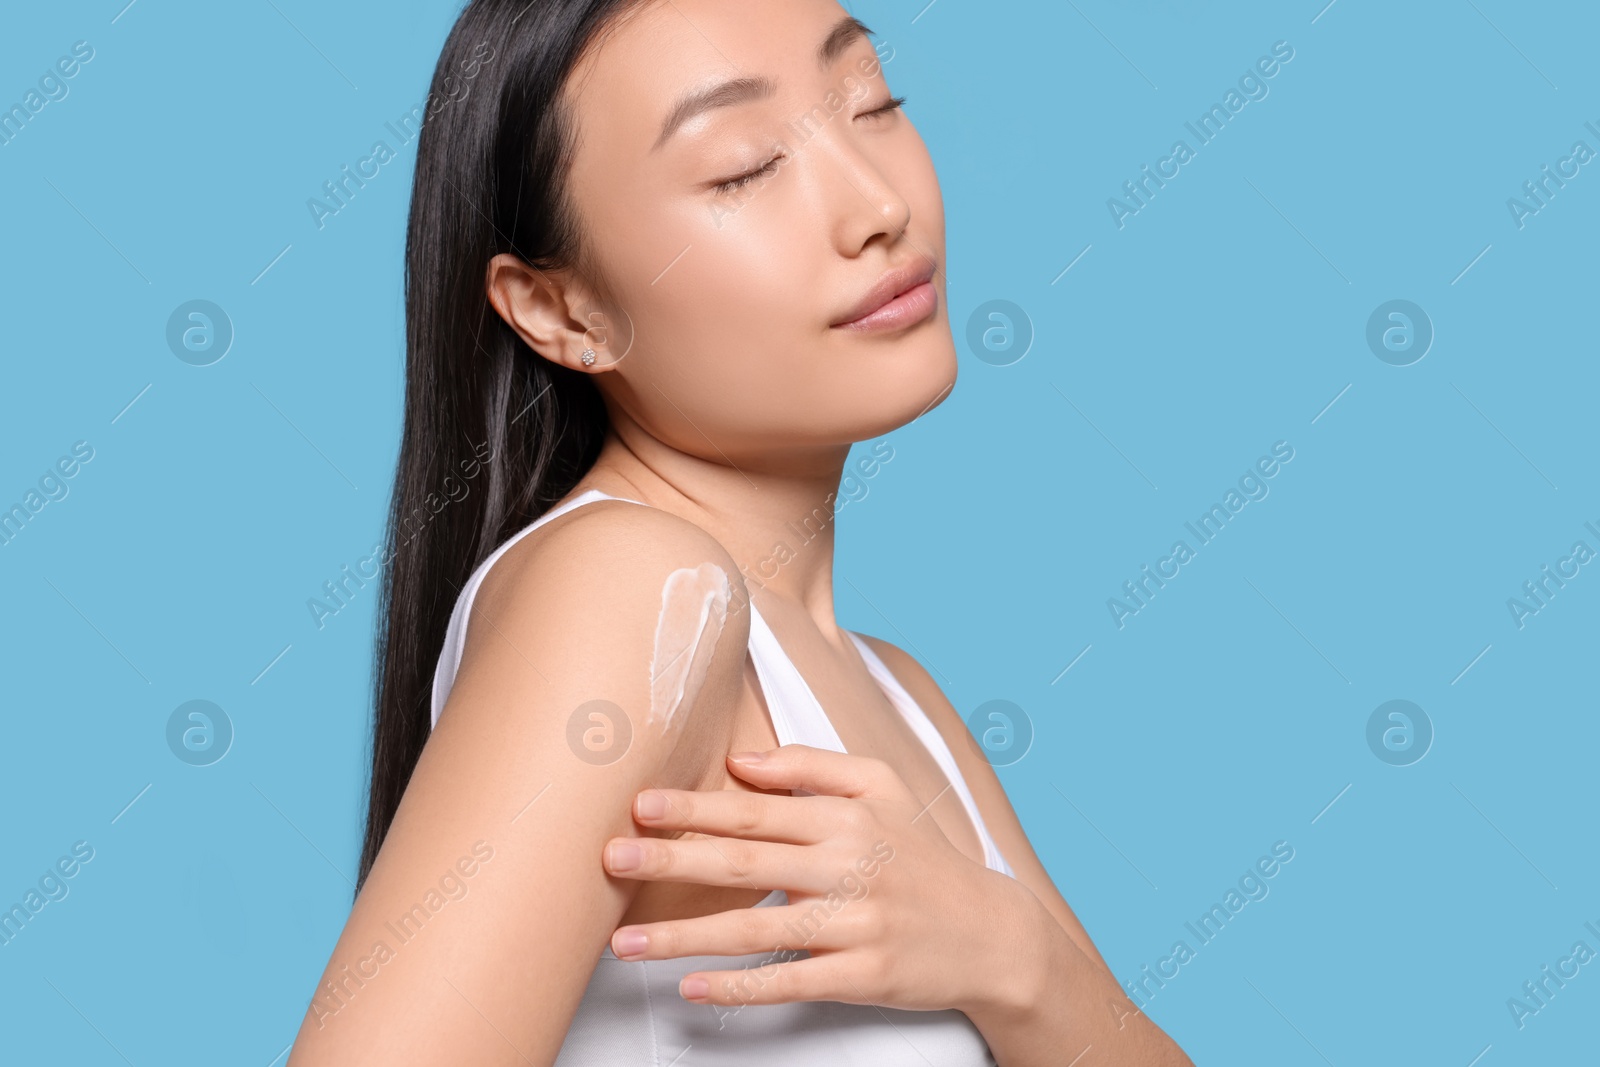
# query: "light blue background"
[[1223, 317]]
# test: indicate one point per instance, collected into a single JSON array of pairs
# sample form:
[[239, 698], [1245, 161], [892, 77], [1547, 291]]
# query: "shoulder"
[[917, 680], [987, 791], [603, 548], [594, 605]]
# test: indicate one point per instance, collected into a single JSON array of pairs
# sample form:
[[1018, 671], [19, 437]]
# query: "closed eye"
[[894, 103], [768, 168], [747, 177]]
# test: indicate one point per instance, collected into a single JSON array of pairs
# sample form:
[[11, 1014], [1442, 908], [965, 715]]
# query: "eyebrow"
[[844, 33]]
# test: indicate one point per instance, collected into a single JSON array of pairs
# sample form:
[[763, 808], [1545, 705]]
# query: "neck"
[[774, 514]]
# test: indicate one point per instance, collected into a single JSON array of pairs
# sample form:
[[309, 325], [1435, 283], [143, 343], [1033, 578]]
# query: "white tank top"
[[631, 1013]]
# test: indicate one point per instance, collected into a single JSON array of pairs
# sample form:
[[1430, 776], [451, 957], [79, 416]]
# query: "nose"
[[861, 199]]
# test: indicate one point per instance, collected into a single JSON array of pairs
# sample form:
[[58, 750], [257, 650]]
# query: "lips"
[[894, 283]]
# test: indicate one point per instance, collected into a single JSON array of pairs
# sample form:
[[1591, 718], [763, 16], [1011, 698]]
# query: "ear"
[[544, 308]]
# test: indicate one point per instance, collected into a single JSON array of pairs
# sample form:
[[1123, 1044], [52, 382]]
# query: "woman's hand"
[[890, 911]]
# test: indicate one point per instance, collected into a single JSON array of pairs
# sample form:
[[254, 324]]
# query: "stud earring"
[[588, 357]]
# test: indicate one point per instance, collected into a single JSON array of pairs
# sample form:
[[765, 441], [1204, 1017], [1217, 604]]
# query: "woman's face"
[[734, 296]]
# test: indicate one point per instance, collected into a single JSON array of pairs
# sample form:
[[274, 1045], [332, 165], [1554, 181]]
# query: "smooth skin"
[[733, 403]]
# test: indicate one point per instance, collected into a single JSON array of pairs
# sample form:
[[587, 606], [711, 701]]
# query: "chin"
[[907, 385]]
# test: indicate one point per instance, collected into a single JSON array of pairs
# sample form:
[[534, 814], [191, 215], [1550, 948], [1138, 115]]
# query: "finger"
[[736, 813], [780, 981], [818, 770], [807, 926], [727, 861]]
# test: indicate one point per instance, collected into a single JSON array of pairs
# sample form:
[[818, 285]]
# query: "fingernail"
[[629, 943], [651, 805], [748, 757], [624, 856], [694, 988]]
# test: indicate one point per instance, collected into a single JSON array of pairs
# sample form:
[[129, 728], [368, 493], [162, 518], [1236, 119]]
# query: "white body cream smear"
[[694, 606]]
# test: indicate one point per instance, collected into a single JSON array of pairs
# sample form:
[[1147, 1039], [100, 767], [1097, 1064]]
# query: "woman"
[[666, 262]]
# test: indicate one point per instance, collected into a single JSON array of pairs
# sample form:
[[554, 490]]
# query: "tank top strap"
[[797, 716], [933, 740], [455, 638]]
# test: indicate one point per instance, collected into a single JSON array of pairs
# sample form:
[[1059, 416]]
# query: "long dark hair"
[[482, 409]]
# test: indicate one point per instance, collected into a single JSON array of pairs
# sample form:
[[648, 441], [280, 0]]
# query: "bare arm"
[[437, 965]]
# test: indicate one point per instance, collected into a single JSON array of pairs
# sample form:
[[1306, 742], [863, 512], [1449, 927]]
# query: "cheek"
[[738, 304], [726, 342]]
